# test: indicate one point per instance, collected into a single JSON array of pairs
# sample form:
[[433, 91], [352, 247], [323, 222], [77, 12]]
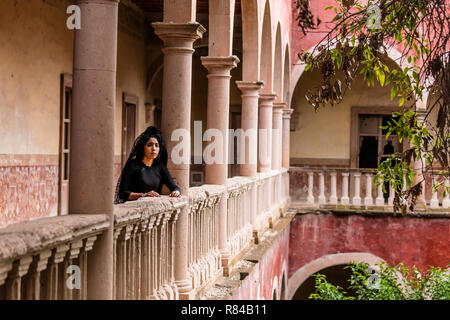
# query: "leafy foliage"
[[387, 283], [358, 43]]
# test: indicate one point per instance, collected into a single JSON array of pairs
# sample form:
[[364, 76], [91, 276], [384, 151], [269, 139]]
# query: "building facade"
[[80, 80]]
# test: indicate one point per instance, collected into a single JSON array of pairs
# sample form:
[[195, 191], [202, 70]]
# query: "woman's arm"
[[169, 182], [127, 182]]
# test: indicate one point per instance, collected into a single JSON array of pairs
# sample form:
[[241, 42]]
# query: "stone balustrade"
[[355, 188], [48, 258], [144, 241], [204, 259], [239, 228]]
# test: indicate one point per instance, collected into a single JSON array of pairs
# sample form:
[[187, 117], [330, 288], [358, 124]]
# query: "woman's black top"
[[139, 178]]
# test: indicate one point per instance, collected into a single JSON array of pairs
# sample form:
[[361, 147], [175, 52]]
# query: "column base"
[[185, 291]]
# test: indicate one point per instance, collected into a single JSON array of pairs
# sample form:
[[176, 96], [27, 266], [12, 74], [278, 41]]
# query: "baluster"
[[88, 246], [116, 260], [333, 196], [173, 229], [5, 267], [380, 197], [132, 262], [391, 196], [368, 200], [446, 200], [168, 258], [156, 256], [310, 198], [322, 199], [434, 202], [356, 201], [123, 265], [345, 200], [149, 272], [162, 261], [72, 254], [14, 280], [140, 249], [33, 283], [53, 272], [143, 270], [190, 243]]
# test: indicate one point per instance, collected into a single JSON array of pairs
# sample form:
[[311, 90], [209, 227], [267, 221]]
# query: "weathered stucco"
[[419, 241]]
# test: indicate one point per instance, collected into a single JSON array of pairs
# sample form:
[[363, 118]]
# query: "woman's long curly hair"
[[137, 152]]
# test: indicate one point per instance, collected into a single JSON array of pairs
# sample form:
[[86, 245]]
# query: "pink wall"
[[268, 273], [301, 42], [27, 192], [413, 241]]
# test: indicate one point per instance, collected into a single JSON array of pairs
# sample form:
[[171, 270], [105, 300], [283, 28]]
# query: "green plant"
[[357, 43], [387, 283]]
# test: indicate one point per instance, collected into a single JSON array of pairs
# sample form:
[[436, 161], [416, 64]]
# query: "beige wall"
[[326, 133], [131, 79], [36, 47]]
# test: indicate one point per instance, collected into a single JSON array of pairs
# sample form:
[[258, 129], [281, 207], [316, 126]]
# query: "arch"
[[330, 260], [266, 66], [278, 65], [250, 40], [287, 75], [299, 68], [152, 72]]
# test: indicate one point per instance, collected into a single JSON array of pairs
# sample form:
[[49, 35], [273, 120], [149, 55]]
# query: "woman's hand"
[[153, 194], [175, 194]]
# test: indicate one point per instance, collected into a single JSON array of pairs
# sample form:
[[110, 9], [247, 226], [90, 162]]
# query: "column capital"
[[279, 105], [178, 36], [220, 65], [249, 86], [287, 113], [267, 97]]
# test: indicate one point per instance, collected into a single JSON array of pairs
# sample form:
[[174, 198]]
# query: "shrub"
[[387, 283]]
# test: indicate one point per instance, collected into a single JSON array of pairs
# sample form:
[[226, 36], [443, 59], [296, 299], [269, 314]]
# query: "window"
[[64, 145], [369, 146], [129, 124], [373, 145]]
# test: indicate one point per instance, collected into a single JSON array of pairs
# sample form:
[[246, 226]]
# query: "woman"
[[145, 171]]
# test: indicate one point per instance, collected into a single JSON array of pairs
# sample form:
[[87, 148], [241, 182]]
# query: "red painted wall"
[[267, 274], [413, 241], [27, 192]]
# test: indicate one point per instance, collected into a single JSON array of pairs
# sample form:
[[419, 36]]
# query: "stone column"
[[286, 137], [178, 41], [265, 132], [218, 119], [277, 129], [249, 124], [91, 181]]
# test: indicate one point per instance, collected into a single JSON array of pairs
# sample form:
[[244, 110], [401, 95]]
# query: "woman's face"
[[151, 148]]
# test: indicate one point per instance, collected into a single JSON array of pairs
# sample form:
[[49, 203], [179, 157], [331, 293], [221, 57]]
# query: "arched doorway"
[[331, 265], [337, 275]]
